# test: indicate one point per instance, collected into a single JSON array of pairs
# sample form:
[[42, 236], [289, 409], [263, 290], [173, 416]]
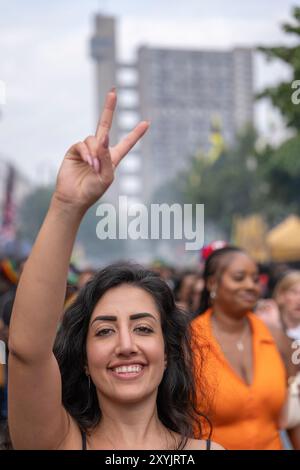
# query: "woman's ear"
[[212, 284]]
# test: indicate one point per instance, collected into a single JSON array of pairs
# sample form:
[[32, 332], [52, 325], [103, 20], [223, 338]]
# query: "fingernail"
[[90, 160], [113, 89], [105, 141], [96, 165]]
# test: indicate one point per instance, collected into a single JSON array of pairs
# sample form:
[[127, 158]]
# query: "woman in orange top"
[[238, 356]]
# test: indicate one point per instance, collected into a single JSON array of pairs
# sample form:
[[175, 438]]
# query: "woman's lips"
[[249, 298], [128, 373]]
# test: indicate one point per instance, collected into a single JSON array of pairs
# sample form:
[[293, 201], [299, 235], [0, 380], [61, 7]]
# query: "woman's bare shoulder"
[[73, 439]]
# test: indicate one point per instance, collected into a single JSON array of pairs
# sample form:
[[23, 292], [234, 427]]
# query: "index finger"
[[106, 118], [121, 149]]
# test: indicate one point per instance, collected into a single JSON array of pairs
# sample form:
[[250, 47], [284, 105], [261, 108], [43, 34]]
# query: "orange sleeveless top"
[[243, 416]]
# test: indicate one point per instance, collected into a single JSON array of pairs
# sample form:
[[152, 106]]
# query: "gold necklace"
[[239, 343]]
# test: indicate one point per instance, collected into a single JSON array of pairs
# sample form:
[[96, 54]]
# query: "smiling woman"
[[118, 374], [131, 346], [244, 359]]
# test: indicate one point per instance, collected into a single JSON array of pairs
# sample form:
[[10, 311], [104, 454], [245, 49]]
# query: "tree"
[[280, 95], [280, 170], [281, 167], [228, 186], [244, 180]]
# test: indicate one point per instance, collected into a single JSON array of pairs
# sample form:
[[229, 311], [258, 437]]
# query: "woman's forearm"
[[42, 287]]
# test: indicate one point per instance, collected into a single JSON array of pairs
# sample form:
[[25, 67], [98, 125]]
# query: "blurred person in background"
[[196, 294], [76, 281], [287, 297], [243, 362], [166, 272], [183, 290], [72, 285], [9, 274], [281, 314], [85, 276]]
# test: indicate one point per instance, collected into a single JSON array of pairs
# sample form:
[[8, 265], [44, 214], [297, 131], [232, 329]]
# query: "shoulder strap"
[[208, 444], [83, 438]]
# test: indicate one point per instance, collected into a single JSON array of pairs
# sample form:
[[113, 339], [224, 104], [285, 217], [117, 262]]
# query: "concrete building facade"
[[181, 92]]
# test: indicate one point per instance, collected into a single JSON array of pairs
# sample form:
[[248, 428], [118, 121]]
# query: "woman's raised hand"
[[88, 167]]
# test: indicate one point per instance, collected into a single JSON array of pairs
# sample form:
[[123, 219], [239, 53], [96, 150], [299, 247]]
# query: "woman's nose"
[[251, 284], [126, 343]]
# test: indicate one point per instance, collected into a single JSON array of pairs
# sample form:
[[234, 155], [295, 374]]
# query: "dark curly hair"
[[176, 398]]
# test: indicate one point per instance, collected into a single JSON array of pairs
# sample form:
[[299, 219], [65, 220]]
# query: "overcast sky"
[[49, 76]]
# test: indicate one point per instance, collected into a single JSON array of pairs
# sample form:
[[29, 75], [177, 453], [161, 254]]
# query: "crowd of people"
[[130, 357], [242, 342]]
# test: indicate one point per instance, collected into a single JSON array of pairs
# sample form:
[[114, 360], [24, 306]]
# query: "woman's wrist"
[[68, 209]]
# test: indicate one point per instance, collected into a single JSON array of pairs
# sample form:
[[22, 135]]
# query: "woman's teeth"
[[126, 369]]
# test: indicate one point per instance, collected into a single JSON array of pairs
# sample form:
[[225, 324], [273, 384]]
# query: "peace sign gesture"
[[88, 167]]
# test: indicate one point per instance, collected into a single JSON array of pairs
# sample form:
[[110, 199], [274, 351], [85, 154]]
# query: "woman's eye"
[[104, 332], [238, 279], [144, 329]]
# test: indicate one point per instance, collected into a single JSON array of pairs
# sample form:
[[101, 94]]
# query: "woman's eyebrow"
[[134, 316], [254, 273], [104, 318]]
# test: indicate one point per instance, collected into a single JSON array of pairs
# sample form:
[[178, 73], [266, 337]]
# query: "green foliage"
[[229, 186], [281, 167], [280, 95], [281, 170], [243, 180]]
